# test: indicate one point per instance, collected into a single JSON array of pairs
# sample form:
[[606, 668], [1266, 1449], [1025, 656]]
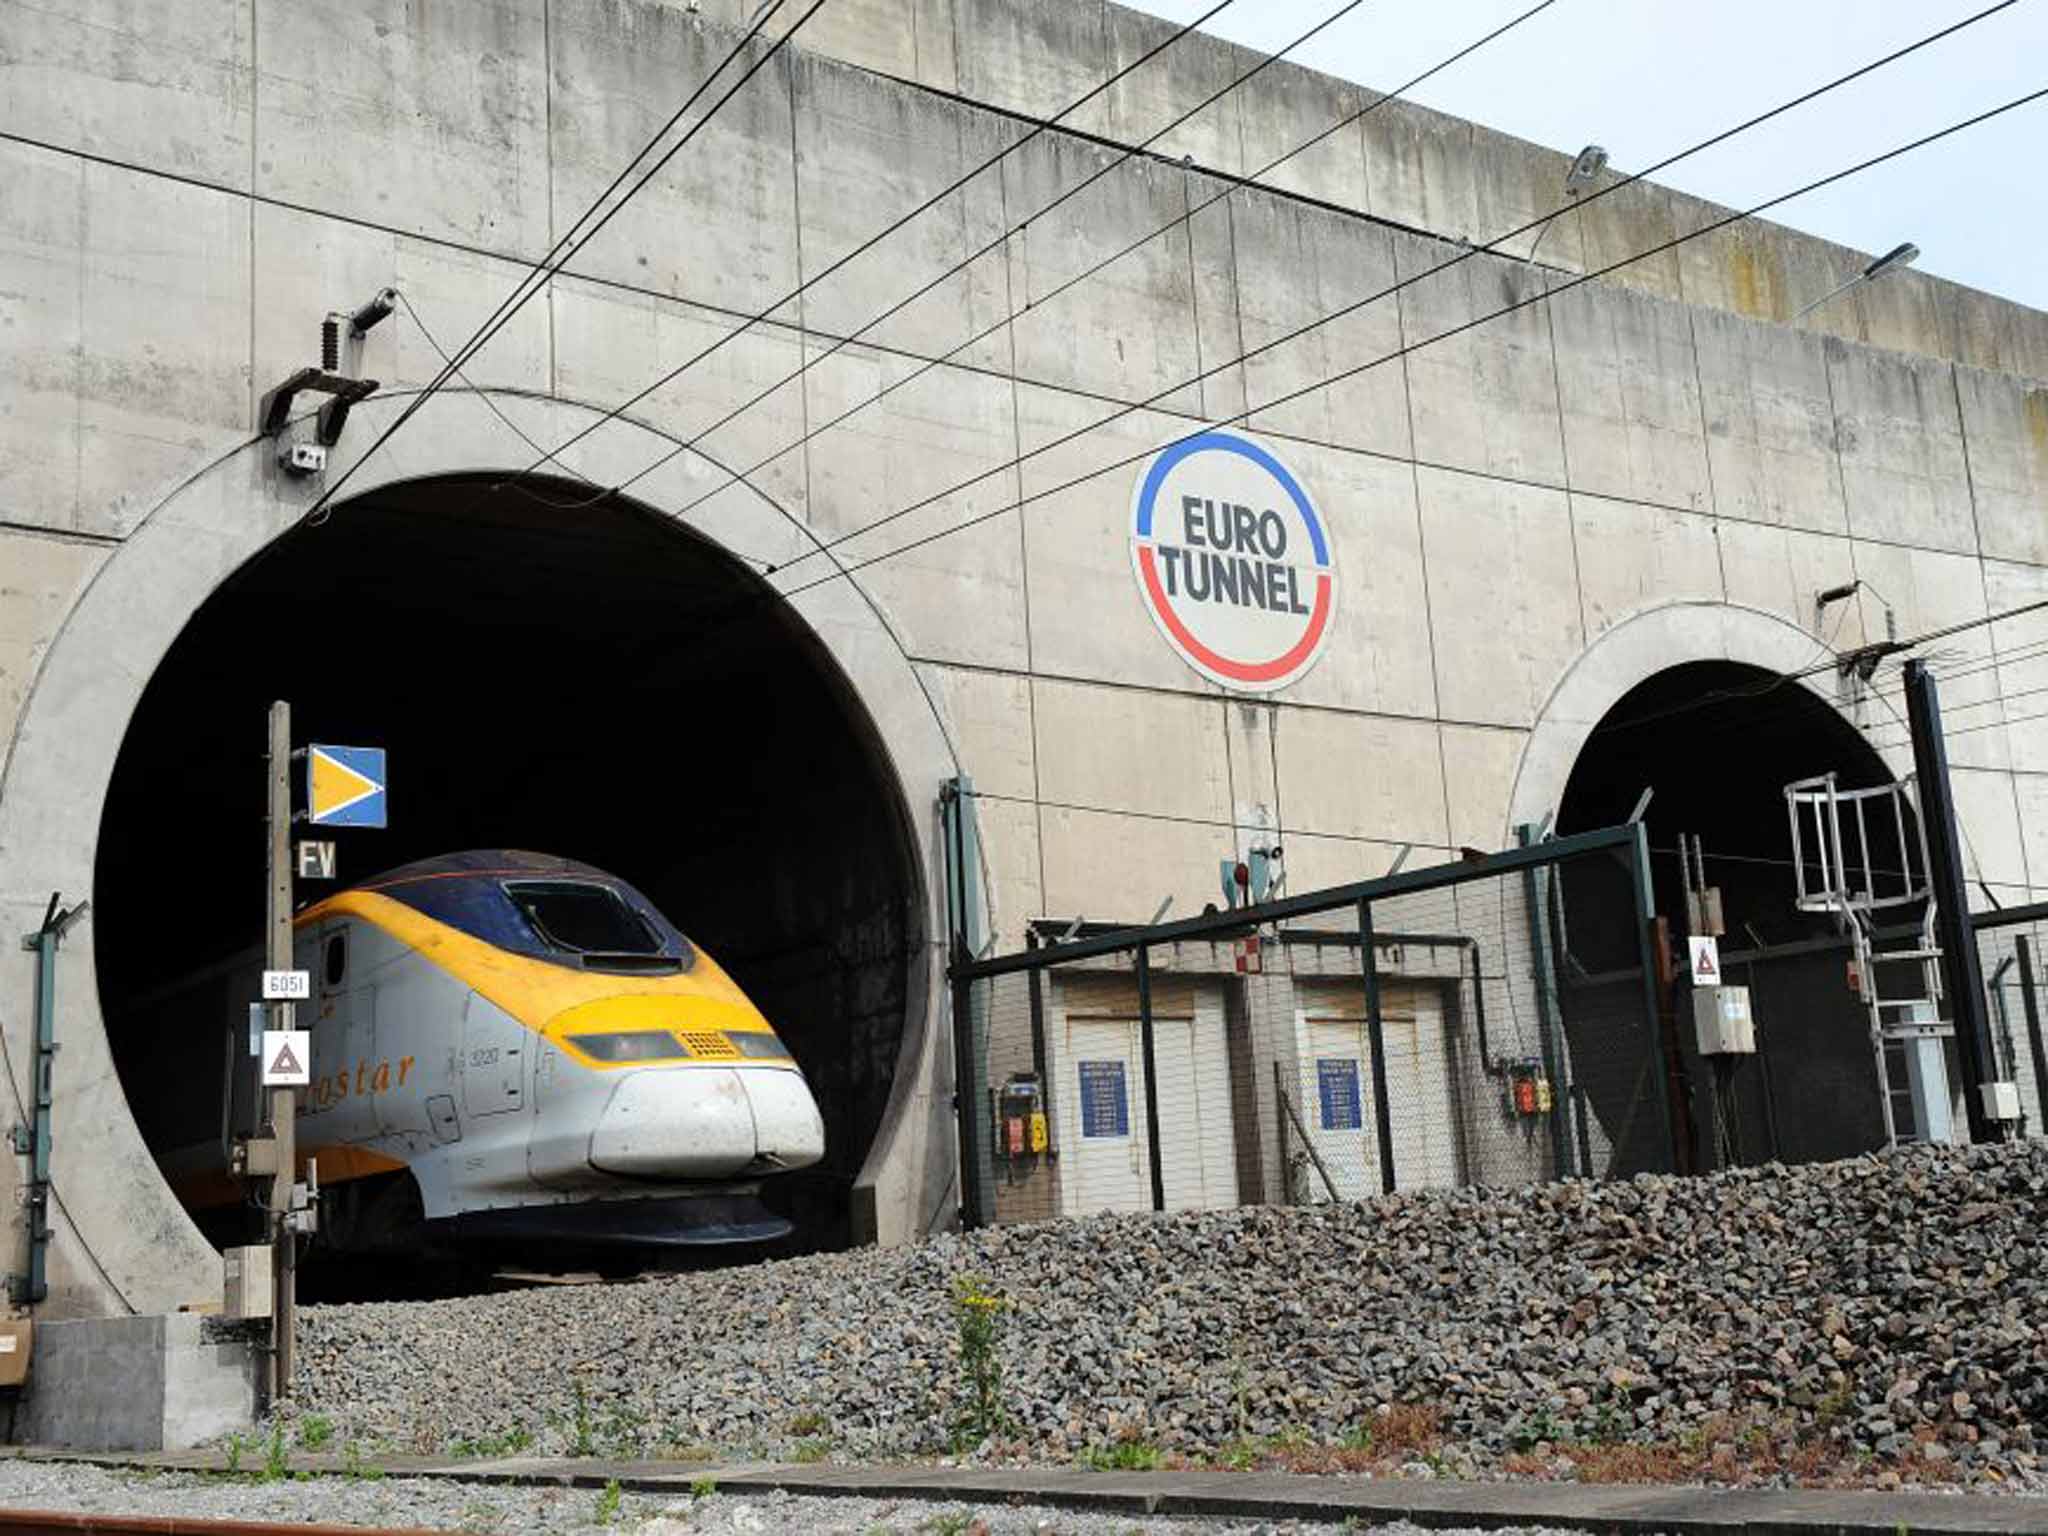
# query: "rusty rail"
[[73, 1522]]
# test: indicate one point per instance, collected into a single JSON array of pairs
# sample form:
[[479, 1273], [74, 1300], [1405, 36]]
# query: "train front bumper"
[[707, 1123]]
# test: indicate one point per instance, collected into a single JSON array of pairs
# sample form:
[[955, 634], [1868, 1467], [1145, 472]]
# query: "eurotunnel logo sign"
[[1233, 561]]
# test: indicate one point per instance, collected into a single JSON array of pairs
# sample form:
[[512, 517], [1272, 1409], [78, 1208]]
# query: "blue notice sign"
[[1337, 1090], [1105, 1100]]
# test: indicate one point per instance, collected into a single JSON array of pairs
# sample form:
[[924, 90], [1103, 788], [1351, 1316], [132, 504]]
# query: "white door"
[[1104, 1110], [1420, 1094], [1198, 1149], [1337, 1104]]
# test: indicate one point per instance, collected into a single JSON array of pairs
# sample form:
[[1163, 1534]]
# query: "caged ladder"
[[1831, 834]]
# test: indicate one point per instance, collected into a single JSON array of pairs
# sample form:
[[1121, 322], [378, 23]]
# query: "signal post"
[[284, 1101], [344, 787]]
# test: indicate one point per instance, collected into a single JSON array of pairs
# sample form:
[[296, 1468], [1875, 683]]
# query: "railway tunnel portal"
[[548, 667]]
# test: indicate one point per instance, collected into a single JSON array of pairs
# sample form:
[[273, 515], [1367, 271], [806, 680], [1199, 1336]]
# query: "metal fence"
[[2012, 949], [1440, 1026]]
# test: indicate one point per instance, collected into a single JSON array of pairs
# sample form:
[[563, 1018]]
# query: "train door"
[[494, 1055]]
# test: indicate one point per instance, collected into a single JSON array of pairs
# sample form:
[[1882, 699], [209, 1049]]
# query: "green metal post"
[[34, 1139]]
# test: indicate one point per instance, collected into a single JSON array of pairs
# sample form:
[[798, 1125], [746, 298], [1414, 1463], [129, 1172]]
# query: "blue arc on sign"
[[1223, 442]]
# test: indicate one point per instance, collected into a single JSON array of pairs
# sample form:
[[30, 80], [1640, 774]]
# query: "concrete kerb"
[[1434, 1504]]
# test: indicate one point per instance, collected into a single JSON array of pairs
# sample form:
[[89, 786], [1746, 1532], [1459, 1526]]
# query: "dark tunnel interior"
[[1716, 743], [583, 680]]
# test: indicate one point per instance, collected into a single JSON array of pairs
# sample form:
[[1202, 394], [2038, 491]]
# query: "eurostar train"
[[515, 1057]]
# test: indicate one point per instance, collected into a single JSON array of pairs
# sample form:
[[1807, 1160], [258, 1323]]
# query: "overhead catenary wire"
[[558, 254], [846, 569], [1038, 127], [1011, 465], [419, 321], [1403, 351], [1181, 220]]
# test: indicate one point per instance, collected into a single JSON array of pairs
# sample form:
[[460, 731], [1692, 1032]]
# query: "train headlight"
[[630, 1045], [758, 1046]]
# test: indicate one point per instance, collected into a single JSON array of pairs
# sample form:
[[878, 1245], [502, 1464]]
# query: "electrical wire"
[[1971, 730], [1399, 352], [560, 252], [1181, 221], [1990, 662], [1011, 465], [1038, 127], [519, 432]]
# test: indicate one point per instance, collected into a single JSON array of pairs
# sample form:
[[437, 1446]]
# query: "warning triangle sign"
[[286, 1053], [1706, 962]]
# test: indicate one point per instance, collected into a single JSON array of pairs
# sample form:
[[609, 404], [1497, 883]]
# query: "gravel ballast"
[[439, 1505], [1886, 1312]]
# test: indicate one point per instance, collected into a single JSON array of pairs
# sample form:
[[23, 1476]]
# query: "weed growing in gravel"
[[1533, 1429], [510, 1443], [353, 1465], [608, 1502], [978, 1316], [949, 1522], [235, 1447], [809, 1422], [1127, 1455], [276, 1456], [703, 1487], [624, 1432], [582, 1428], [315, 1430], [808, 1451]]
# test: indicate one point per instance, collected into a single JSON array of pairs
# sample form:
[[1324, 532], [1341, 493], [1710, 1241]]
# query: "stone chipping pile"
[[1892, 1306]]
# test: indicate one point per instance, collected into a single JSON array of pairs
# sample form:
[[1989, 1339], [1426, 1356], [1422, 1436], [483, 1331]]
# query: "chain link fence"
[[2012, 949], [1436, 1027]]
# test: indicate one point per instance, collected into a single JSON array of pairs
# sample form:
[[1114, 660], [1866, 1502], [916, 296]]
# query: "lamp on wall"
[[1902, 255], [1585, 170]]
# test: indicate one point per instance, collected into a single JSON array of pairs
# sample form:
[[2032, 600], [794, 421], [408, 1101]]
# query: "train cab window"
[[334, 965], [582, 918]]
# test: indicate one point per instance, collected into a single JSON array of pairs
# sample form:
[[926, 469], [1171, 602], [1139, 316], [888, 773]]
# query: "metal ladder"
[[1831, 835]]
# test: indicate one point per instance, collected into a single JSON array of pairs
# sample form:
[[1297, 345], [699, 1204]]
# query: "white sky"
[[1646, 78]]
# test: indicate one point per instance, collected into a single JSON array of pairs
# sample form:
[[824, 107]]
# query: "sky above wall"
[[1647, 78]]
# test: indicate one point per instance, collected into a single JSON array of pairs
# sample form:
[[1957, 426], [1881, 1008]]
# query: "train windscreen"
[[582, 919]]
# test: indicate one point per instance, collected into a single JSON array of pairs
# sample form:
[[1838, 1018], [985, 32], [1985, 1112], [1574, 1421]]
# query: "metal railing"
[[1438, 1026]]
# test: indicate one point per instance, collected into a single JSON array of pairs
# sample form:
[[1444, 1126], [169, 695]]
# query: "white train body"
[[542, 1057]]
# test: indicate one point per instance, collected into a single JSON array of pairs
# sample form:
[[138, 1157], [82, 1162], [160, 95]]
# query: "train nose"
[[707, 1122], [788, 1131]]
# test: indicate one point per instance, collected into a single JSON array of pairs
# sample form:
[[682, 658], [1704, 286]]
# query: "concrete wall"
[[1642, 471], [140, 1384]]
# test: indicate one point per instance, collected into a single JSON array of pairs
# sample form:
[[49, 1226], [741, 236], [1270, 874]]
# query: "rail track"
[[70, 1522]]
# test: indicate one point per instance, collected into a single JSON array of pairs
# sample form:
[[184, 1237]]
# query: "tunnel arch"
[[1694, 704], [121, 1242]]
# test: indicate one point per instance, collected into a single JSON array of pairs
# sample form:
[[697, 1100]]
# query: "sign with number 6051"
[[287, 986]]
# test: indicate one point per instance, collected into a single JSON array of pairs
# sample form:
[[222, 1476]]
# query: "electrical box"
[[2001, 1101], [1021, 1130], [245, 1281], [17, 1335], [1721, 1021]]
